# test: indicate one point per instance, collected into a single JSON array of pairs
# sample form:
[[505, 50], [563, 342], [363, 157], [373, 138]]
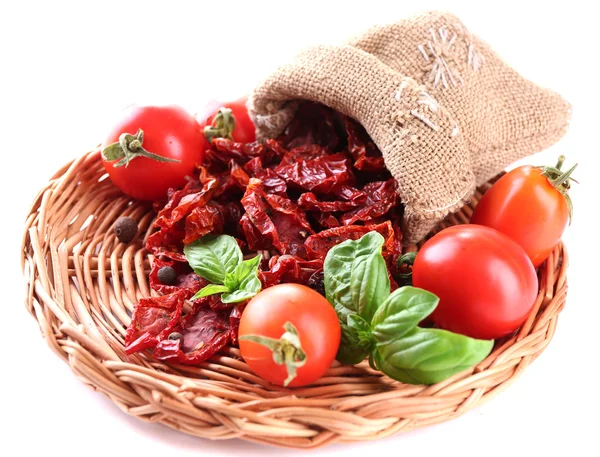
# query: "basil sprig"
[[384, 325], [356, 281], [219, 259]]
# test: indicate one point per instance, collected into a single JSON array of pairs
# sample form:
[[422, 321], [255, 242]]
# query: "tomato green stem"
[[222, 125], [561, 181], [564, 178], [286, 350], [409, 260], [130, 147]]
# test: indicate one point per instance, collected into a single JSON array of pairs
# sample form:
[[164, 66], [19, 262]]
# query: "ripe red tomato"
[[228, 120], [269, 314], [486, 284], [169, 132], [527, 207]]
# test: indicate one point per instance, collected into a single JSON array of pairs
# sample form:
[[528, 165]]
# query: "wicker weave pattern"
[[82, 285]]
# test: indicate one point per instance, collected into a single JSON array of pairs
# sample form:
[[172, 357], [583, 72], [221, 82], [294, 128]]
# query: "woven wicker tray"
[[83, 284]]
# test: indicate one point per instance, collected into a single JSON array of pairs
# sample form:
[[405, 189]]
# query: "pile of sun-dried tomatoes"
[[291, 199]]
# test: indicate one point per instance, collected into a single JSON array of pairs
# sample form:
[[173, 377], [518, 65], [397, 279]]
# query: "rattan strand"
[[82, 285]]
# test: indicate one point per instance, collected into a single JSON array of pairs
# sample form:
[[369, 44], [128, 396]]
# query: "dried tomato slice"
[[153, 320], [366, 155], [272, 182], [186, 280], [222, 151], [313, 123], [309, 202], [201, 221], [234, 321], [203, 331], [256, 223], [381, 197], [326, 221], [319, 175], [288, 268], [290, 221], [318, 245], [273, 221], [306, 152], [167, 242], [190, 197]]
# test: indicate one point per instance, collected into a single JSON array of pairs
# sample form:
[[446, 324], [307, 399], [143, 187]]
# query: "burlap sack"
[[444, 109]]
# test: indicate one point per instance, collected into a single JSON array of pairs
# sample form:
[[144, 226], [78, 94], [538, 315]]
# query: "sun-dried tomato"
[[222, 151], [291, 224], [325, 220], [167, 242], [258, 227], [313, 123], [186, 280], [203, 332], [234, 321], [309, 202], [273, 221], [318, 245], [366, 155], [272, 182], [306, 152], [289, 268], [319, 175], [153, 320], [381, 197], [196, 193], [239, 175], [202, 221], [277, 150]]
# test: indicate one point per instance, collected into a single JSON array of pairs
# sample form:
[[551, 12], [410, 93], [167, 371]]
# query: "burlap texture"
[[444, 109]]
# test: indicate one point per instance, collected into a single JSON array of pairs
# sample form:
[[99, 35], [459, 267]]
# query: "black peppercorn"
[[167, 276], [126, 228], [175, 336], [316, 282]]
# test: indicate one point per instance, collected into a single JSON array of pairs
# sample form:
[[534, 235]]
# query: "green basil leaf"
[[428, 356], [351, 351], [231, 282], [212, 257], [356, 276], [357, 340], [401, 312], [246, 268], [211, 289], [359, 324], [248, 288]]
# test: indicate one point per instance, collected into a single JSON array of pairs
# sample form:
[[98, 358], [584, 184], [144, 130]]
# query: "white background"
[[66, 69]]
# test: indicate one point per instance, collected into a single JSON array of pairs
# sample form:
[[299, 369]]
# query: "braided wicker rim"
[[82, 285]]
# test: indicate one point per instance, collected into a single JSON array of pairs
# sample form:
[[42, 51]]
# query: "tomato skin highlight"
[[312, 315], [524, 205], [486, 284], [169, 131]]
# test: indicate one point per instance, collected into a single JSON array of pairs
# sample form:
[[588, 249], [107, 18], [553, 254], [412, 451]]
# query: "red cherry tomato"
[[527, 207], [486, 283], [169, 132], [269, 314], [228, 120]]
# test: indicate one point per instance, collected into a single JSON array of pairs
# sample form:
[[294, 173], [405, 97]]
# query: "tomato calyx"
[[407, 259], [561, 181], [128, 148], [286, 350], [221, 126]]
